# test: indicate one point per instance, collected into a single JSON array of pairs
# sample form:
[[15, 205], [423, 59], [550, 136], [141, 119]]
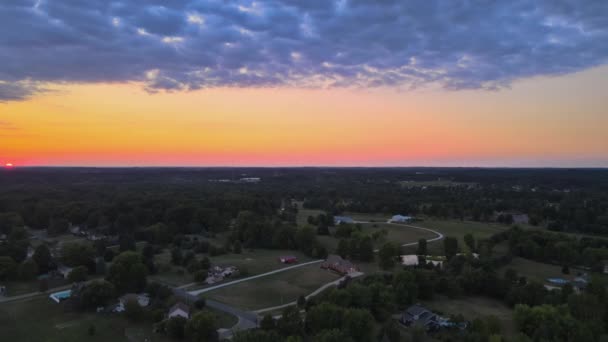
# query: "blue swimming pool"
[[59, 296]]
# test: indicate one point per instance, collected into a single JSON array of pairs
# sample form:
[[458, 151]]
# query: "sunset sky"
[[290, 83]]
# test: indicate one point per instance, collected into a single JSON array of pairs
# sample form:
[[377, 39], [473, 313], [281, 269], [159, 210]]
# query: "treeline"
[[555, 248]]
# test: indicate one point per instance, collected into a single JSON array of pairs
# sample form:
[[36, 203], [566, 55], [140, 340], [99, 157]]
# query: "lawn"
[[475, 307], [40, 319], [397, 234], [257, 261], [250, 262], [537, 271], [459, 229], [275, 289]]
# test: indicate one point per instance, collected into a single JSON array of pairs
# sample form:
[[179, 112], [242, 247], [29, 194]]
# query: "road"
[[207, 289], [316, 292]]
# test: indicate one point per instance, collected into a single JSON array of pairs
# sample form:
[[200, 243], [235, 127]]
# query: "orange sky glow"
[[557, 121]]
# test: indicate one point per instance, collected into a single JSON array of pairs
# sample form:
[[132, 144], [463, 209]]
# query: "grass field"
[[475, 307], [396, 234], [250, 262], [459, 229], [257, 261], [274, 290], [537, 271], [40, 320]]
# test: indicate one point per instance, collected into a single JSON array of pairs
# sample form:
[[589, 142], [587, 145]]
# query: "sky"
[[304, 83]]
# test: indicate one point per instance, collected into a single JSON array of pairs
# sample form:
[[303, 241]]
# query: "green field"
[[459, 229], [395, 233], [41, 319], [537, 271], [250, 262], [475, 307], [274, 290]]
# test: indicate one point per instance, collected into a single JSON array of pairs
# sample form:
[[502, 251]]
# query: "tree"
[[301, 302], [469, 240], [306, 239], [359, 324], [175, 327], [78, 274], [128, 273], [91, 330], [405, 288], [366, 249], [200, 276], [58, 226], [386, 256], [177, 256], [450, 246], [200, 303], [267, 322], [333, 335], [343, 249], [323, 317], [422, 250], [77, 254], [8, 267], [202, 327], [290, 322], [28, 270], [42, 257], [237, 248], [97, 293], [133, 310]]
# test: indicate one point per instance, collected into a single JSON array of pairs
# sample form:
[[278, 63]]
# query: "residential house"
[[414, 260], [400, 219], [142, 299], [339, 265], [417, 315], [179, 310], [343, 219]]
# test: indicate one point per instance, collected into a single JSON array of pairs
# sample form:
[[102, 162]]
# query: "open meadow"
[[275, 289]]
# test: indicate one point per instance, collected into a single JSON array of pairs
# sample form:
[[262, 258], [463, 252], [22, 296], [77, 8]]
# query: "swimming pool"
[[59, 296]]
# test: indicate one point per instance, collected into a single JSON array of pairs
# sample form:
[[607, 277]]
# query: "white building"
[[179, 310]]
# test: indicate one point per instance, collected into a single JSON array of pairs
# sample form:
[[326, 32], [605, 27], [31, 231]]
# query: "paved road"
[[207, 289], [316, 292]]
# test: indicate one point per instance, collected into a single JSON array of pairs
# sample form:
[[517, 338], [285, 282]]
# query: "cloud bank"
[[185, 45]]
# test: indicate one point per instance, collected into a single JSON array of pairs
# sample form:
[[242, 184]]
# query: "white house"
[[400, 219], [179, 310]]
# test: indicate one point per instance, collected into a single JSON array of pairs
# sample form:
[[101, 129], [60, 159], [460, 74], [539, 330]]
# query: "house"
[[142, 299], [290, 259], [64, 270], [338, 265], [343, 219], [179, 310], [417, 315], [400, 219]]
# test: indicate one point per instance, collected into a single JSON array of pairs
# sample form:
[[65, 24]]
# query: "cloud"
[[315, 43], [16, 91]]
